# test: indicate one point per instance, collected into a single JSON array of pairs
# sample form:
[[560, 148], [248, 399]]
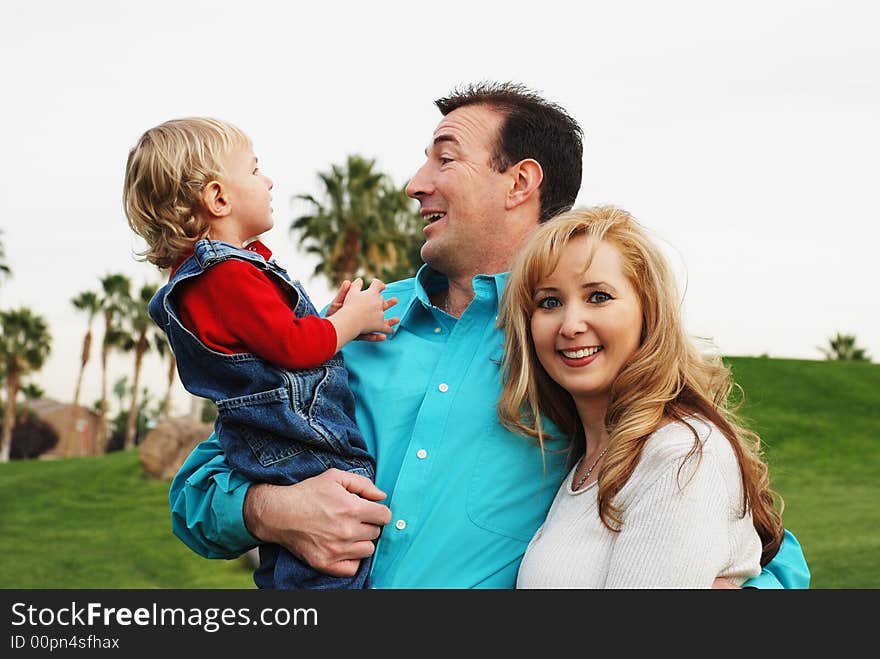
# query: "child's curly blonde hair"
[[166, 172]]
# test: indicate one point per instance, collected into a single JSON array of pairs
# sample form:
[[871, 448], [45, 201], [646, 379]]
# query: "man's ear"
[[214, 200], [527, 176]]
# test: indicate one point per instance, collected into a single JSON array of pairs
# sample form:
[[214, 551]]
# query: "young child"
[[245, 335]]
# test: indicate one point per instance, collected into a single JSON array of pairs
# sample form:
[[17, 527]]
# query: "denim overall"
[[275, 425]]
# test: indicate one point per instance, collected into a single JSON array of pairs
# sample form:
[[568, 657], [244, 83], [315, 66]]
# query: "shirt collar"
[[428, 281], [255, 246], [258, 247]]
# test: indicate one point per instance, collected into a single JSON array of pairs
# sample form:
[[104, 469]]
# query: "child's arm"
[[235, 308], [360, 314]]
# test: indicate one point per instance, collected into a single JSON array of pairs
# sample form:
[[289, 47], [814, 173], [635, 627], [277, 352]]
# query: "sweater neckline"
[[571, 491]]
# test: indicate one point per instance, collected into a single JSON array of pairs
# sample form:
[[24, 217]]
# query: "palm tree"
[[139, 340], [116, 290], [843, 348], [358, 230], [88, 302], [120, 390], [408, 238], [5, 270], [164, 348], [24, 346], [30, 391]]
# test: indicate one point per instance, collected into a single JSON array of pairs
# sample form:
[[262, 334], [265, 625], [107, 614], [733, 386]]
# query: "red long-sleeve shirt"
[[235, 307]]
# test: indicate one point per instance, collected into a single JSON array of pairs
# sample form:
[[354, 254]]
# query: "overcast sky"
[[746, 135]]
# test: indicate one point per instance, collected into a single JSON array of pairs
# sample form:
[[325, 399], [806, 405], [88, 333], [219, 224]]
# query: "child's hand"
[[336, 304], [373, 336], [368, 306], [359, 313]]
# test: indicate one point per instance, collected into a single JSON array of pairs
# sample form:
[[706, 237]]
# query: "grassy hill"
[[820, 422], [98, 522]]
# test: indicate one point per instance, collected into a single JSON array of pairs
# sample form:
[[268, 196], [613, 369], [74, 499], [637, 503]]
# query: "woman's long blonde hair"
[[667, 377]]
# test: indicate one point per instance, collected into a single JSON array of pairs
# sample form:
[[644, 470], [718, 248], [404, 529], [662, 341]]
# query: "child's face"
[[248, 192]]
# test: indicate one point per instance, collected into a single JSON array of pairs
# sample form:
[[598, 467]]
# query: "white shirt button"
[[400, 525], [443, 387], [422, 453], [437, 330]]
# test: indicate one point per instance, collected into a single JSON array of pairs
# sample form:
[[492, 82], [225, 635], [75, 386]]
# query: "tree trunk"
[[131, 425], [348, 263], [172, 371], [9, 416], [78, 448], [101, 435]]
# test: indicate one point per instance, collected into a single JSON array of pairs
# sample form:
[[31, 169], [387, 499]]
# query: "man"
[[465, 495]]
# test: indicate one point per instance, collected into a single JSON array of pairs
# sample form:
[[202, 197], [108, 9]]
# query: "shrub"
[[31, 437]]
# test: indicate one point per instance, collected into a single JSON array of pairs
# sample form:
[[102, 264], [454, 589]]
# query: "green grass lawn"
[[820, 423], [98, 522]]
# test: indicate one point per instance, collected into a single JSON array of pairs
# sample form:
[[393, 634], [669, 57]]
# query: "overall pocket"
[[321, 396], [257, 421]]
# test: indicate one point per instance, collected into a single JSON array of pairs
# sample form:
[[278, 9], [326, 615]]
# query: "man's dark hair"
[[532, 128]]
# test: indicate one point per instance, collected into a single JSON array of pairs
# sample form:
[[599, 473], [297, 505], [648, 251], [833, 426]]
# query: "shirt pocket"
[[511, 488]]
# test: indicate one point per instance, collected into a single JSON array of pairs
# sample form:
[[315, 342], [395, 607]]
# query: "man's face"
[[462, 198]]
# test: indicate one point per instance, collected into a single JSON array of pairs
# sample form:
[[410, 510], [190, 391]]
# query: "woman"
[[667, 488]]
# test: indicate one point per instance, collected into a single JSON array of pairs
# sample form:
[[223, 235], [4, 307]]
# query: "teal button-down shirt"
[[465, 494]]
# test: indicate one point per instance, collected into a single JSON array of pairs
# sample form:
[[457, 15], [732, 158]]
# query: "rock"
[[252, 558], [166, 446]]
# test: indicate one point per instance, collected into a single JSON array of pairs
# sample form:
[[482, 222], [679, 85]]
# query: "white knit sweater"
[[680, 529]]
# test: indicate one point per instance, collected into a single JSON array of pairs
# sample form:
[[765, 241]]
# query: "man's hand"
[[329, 520]]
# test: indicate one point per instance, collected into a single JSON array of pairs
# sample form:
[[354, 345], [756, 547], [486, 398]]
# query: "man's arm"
[[206, 500], [329, 520], [788, 569]]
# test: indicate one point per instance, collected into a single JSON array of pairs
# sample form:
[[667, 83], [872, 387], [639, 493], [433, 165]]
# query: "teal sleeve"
[[788, 569], [207, 498]]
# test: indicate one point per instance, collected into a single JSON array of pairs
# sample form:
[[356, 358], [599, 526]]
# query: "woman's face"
[[586, 325]]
